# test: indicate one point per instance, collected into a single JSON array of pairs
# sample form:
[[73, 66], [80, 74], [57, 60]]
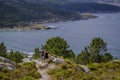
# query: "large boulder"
[[5, 63], [56, 60]]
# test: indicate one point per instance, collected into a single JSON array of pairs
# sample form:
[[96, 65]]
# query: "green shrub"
[[28, 65], [63, 74], [36, 54], [5, 70], [3, 50], [16, 56], [25, 71], [52, 71]]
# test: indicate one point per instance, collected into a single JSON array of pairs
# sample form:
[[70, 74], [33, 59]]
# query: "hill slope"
[[17, 12], [12, 12]]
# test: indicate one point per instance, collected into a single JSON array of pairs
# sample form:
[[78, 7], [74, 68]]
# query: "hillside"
[[12, 12], [106, 1], [92, 7], [24, 12]]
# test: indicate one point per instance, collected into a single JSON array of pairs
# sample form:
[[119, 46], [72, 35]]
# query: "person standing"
[[46, 56], [42, 56]]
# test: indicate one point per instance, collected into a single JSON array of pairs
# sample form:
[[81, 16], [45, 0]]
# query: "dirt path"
[[43, 71]]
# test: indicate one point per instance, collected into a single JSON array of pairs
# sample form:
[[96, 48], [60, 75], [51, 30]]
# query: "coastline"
[[40, 25]]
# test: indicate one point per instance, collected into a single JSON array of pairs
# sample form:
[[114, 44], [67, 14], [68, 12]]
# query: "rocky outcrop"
[[5, 63], [56, 60]]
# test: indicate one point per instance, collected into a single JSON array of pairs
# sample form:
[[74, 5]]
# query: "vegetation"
[[21, 13], [100, 71], [36, 54], [94, 56], [58, 46], [95, 52], [91, 7], [16, 56], [26, 71], [3, 50]]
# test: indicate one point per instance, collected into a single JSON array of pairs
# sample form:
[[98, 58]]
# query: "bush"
[[36, 54], [28, 78], [3, 50], [26, 71], [30, 70], [16, 56]]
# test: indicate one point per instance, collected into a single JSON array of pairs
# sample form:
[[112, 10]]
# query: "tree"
[[83, 57], [94, 52], [58, 46], [107, 57], [3, 50], [16, 56], [96, 48], [36, 54]]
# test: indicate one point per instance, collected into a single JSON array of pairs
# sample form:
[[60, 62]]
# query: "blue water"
[[77, 33]]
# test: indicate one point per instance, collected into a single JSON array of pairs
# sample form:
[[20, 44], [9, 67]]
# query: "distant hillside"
[[17, 12], [106, 1], [92, 7]]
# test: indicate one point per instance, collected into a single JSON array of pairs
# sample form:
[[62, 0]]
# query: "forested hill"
[[16, 12], [92, 7]]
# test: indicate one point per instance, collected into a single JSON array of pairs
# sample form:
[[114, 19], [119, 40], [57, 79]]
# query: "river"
[[78, 34]]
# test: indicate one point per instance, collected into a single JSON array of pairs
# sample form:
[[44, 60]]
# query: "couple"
[[44, 56]]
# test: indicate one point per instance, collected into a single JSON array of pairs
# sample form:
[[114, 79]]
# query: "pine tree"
[[94, 52], [58, 46]]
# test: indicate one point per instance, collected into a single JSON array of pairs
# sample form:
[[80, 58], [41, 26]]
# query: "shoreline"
[[40, 25]]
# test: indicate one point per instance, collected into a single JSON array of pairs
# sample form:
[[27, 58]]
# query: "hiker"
[[46, 56], [42, 56]]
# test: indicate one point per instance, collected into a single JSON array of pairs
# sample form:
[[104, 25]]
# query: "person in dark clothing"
[[46, 56], [42, 56]]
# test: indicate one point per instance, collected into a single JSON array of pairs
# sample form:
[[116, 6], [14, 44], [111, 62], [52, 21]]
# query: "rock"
[[26, 60], [59, 61], [5, 63], [56, 60], [85, 68], [52, 58]]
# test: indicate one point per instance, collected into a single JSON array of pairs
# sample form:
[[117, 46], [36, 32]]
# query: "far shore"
[[40, 26]]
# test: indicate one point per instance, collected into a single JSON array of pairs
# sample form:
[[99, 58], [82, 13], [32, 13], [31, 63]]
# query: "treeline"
[[95, 52], [22, 12]]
